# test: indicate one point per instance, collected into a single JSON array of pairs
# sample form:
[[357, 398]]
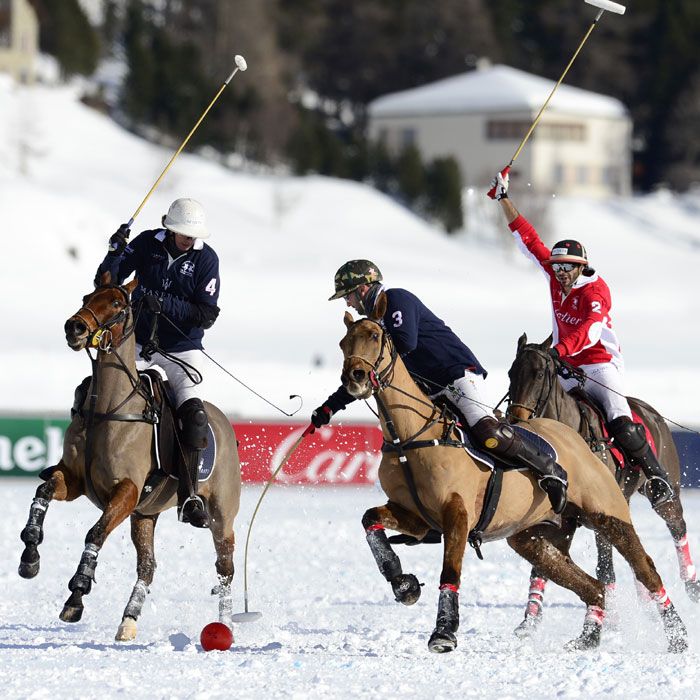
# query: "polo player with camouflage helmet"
[[178, 288], [583, 336], [440, 361]]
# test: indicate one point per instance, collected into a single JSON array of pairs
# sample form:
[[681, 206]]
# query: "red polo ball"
[[216, 636]]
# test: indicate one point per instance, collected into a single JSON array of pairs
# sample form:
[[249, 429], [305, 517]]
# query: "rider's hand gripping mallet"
[[252, 616], [604, 5]]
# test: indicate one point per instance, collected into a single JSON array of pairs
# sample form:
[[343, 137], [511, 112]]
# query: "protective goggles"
[[564, 267]]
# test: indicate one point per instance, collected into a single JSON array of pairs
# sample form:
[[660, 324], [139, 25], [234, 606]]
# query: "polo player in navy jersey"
[[434, 354]]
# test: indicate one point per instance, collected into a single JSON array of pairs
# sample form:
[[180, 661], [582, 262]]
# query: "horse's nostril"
[[358, 374], [75, 327]]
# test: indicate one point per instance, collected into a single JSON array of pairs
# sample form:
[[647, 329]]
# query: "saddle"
[[600, 444]]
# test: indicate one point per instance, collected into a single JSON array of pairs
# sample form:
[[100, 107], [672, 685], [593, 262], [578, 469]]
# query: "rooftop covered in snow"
[[494, 88]]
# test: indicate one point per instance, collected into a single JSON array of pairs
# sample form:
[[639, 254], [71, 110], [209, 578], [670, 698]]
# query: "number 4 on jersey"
[[211, 287]]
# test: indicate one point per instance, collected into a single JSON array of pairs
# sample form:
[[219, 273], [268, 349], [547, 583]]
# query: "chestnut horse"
[[109, 457], [535, 392], [431, 484]]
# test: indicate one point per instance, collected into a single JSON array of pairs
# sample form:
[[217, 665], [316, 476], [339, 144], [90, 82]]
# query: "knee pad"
[[494, 435], [630, 437], [193, 423]]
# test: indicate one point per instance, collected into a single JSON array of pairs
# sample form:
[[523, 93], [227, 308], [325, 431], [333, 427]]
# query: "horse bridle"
[[547, 386], [379, 379], [101, 336]]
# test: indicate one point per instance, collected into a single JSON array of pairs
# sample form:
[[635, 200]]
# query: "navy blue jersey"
[[429, 348], [183, 285]]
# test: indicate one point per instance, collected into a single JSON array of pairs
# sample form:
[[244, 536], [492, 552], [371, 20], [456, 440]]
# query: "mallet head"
[[608, 6], [242, 65]]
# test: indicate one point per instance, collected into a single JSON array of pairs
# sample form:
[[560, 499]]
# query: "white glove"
[[500, 185]]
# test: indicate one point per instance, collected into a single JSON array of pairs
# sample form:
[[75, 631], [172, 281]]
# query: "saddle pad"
[[537, 440]]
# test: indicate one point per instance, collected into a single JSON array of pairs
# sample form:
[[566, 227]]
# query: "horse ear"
[[522, 341], [131, 286], [348, 319], [106, 278], [379, 308], [547, 343]]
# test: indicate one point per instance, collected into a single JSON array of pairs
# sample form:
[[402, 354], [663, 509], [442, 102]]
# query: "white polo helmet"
[[186, 216]]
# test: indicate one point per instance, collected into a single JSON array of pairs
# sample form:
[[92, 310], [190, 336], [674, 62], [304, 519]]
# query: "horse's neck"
[[561, 406], [408, 408], [113, 382]]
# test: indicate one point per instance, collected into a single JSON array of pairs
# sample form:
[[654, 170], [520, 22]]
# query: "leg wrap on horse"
[[33, 532], [444, 637], [631, 439], [405, 586], [85, 575], [503, 441], [193, 423]]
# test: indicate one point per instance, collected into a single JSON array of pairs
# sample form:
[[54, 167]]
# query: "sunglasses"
[[564, 267]]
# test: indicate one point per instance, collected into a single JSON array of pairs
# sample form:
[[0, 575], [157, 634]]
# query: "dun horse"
[[110, 456], [432, 483], [535, 392]]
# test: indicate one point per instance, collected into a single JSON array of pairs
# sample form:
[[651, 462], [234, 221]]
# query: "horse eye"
[[116, 304], [540, 374], [375, 336]]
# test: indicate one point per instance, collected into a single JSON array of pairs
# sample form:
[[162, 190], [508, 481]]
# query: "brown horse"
[[110, 455], [535, 392], [432, 483]]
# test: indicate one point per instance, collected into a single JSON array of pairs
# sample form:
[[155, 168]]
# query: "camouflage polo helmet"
[[354, 274]]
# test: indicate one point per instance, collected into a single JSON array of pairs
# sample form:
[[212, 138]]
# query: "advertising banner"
[[334, 454]]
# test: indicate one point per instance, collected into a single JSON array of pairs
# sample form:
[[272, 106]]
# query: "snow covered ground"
[[330, 627], [69, 176]]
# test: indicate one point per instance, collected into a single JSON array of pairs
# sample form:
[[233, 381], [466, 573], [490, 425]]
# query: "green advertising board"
[[27, 445]]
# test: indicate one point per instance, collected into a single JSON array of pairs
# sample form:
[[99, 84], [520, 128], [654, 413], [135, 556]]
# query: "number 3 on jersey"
[[211, 287], [398, 318]]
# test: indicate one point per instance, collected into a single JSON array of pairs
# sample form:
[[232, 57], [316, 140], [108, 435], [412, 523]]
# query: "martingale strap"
[[491, 498]]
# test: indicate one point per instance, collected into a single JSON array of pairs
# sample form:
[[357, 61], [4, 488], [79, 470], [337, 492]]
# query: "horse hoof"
[[528, 626], [692, 588], [675, 630], [28, 569], [442, 641], [127, 630], [406, 589], [71, 613], [589, 638]]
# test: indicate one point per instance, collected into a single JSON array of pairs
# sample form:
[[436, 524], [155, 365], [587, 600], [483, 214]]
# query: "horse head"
[[368, 352], [532, 378], [102, 319]]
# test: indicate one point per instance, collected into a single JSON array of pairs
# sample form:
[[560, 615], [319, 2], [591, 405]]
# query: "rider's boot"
[[503, 441], [631, 438], [193, 431]]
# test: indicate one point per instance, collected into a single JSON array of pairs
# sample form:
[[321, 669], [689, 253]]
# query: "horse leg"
[[142, 529], [561, 539], [558, 567], [624, 538], [61, 486], [224, 543], [405, 586], [120, 505], [672, 514], [455, 525]]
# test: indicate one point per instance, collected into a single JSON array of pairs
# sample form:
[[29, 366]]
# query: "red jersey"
[[582, 327]]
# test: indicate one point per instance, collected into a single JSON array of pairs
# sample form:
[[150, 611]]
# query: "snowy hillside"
[[69, 176]]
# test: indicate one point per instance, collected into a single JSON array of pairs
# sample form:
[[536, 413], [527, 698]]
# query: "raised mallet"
[[241, 65], [604, 6]]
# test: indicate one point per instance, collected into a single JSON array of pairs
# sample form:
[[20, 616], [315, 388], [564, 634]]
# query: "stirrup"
[[664, 495], [196, 505]]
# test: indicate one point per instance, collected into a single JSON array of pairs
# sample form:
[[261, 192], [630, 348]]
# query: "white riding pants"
[[183, 387], [605, 383], [464, 393]]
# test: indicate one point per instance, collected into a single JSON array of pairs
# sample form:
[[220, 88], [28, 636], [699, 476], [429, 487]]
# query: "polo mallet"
[[241, 65], [603, 5], [253, 616]]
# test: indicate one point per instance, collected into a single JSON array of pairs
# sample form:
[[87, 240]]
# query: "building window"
[[497, 130], [5, 23], [408, 138], [561, 132], [559, 174], [582, 175]]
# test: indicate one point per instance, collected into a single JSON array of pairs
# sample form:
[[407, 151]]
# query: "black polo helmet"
[[568, 251]]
